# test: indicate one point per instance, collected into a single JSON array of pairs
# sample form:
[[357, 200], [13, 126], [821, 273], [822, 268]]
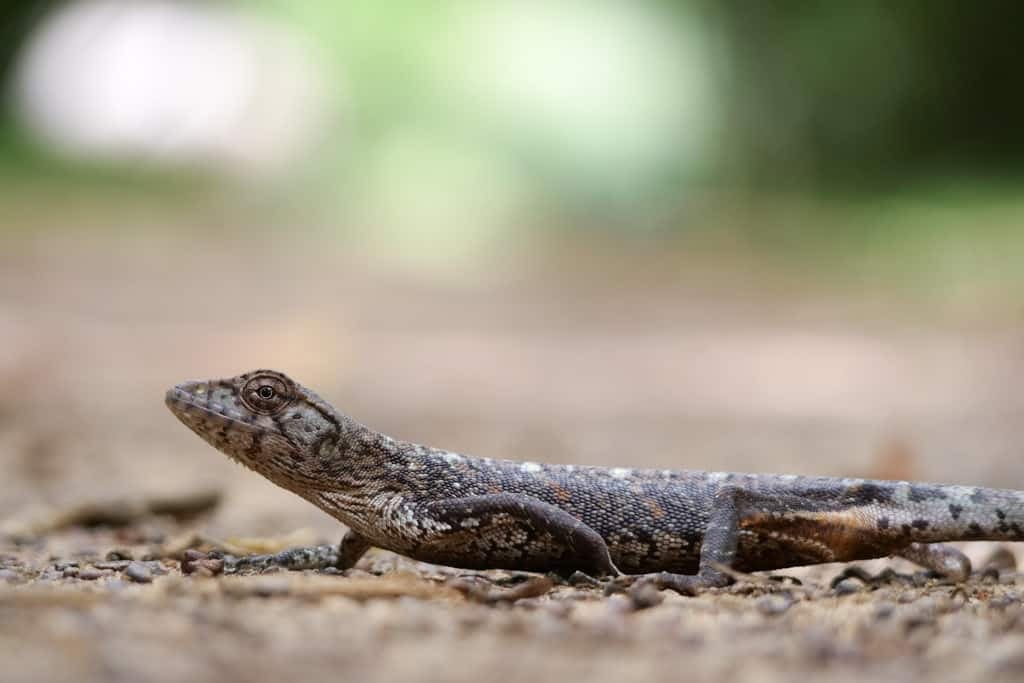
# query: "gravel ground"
[[103, 492]]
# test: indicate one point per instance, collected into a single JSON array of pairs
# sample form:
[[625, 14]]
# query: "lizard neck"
[[357, 474]]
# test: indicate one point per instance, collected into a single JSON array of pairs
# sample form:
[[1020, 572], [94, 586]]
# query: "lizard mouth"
[[191, 404]]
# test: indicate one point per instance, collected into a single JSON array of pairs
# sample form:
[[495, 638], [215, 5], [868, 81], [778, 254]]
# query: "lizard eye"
[[265, 394]]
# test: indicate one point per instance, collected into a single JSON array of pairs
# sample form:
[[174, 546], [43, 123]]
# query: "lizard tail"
[[957, 513]]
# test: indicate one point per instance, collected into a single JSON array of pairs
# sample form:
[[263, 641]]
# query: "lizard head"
[[262, 419]]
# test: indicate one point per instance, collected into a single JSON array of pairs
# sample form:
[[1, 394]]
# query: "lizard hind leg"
[[735, 509], [939, 558], [718, 549]]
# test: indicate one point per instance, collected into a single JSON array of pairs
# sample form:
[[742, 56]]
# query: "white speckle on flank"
[[451, 458], [470, 522], [621, 472], [530, 467], [570, 468]]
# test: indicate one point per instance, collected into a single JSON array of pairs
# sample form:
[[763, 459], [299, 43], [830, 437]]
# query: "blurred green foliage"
[[870, 93], [903, 119]]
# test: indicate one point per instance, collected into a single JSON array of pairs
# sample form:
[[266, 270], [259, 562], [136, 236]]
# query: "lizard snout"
[[187, 392]]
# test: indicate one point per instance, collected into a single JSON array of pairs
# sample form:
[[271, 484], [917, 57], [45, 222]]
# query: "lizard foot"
[[294, 559], [944, 560]]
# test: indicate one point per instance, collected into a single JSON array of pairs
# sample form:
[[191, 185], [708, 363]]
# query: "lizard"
[[683, 530]]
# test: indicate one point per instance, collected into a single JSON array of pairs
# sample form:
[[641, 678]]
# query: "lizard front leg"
[[508, 531], [351, 549]]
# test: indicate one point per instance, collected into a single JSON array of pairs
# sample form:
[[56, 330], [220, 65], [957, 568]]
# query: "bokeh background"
[[717, 235]]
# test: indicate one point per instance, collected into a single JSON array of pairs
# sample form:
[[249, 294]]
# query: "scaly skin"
[[674, 527]]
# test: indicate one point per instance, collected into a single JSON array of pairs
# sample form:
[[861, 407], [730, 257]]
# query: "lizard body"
[[677, 527]]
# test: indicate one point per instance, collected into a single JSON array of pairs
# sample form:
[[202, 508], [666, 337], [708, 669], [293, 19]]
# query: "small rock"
[[210, 567], [195, 562], [848, 587], [120, 554], [9, 576], [156, 567], [70, 572], [1003, 602], [115, 565], [90, 574], [138, 572], [774, 605]]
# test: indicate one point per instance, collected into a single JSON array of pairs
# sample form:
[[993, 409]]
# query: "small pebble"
[[90, 574], [8, 576], [138, 572], [70, 572], [115, 565], [203, 567], [848, 587], [774, 605], [1002, 602], [120, 554]]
